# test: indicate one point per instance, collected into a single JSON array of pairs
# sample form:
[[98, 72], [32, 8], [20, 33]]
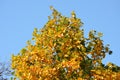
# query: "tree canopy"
[[60, 51]]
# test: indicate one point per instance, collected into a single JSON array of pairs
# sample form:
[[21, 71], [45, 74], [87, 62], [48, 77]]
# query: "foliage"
[[59, 51]]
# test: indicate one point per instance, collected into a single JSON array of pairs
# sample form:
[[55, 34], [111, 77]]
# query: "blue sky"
[[18, 18]]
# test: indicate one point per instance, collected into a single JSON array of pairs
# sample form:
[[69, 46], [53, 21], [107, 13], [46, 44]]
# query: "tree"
[[59, 51], [5, 71]]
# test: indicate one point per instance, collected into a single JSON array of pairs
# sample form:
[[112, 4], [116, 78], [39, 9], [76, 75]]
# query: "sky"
[[18, 18]]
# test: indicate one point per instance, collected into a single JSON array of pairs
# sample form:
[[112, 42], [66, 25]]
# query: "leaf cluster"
[[61, 52]]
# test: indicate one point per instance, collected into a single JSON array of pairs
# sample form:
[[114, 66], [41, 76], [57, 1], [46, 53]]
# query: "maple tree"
[[60, 51]]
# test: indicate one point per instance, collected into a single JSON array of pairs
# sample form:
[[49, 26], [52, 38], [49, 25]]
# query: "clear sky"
[[18, 18]]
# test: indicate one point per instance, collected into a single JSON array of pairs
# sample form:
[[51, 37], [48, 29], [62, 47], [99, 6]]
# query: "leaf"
[[100, 34]]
